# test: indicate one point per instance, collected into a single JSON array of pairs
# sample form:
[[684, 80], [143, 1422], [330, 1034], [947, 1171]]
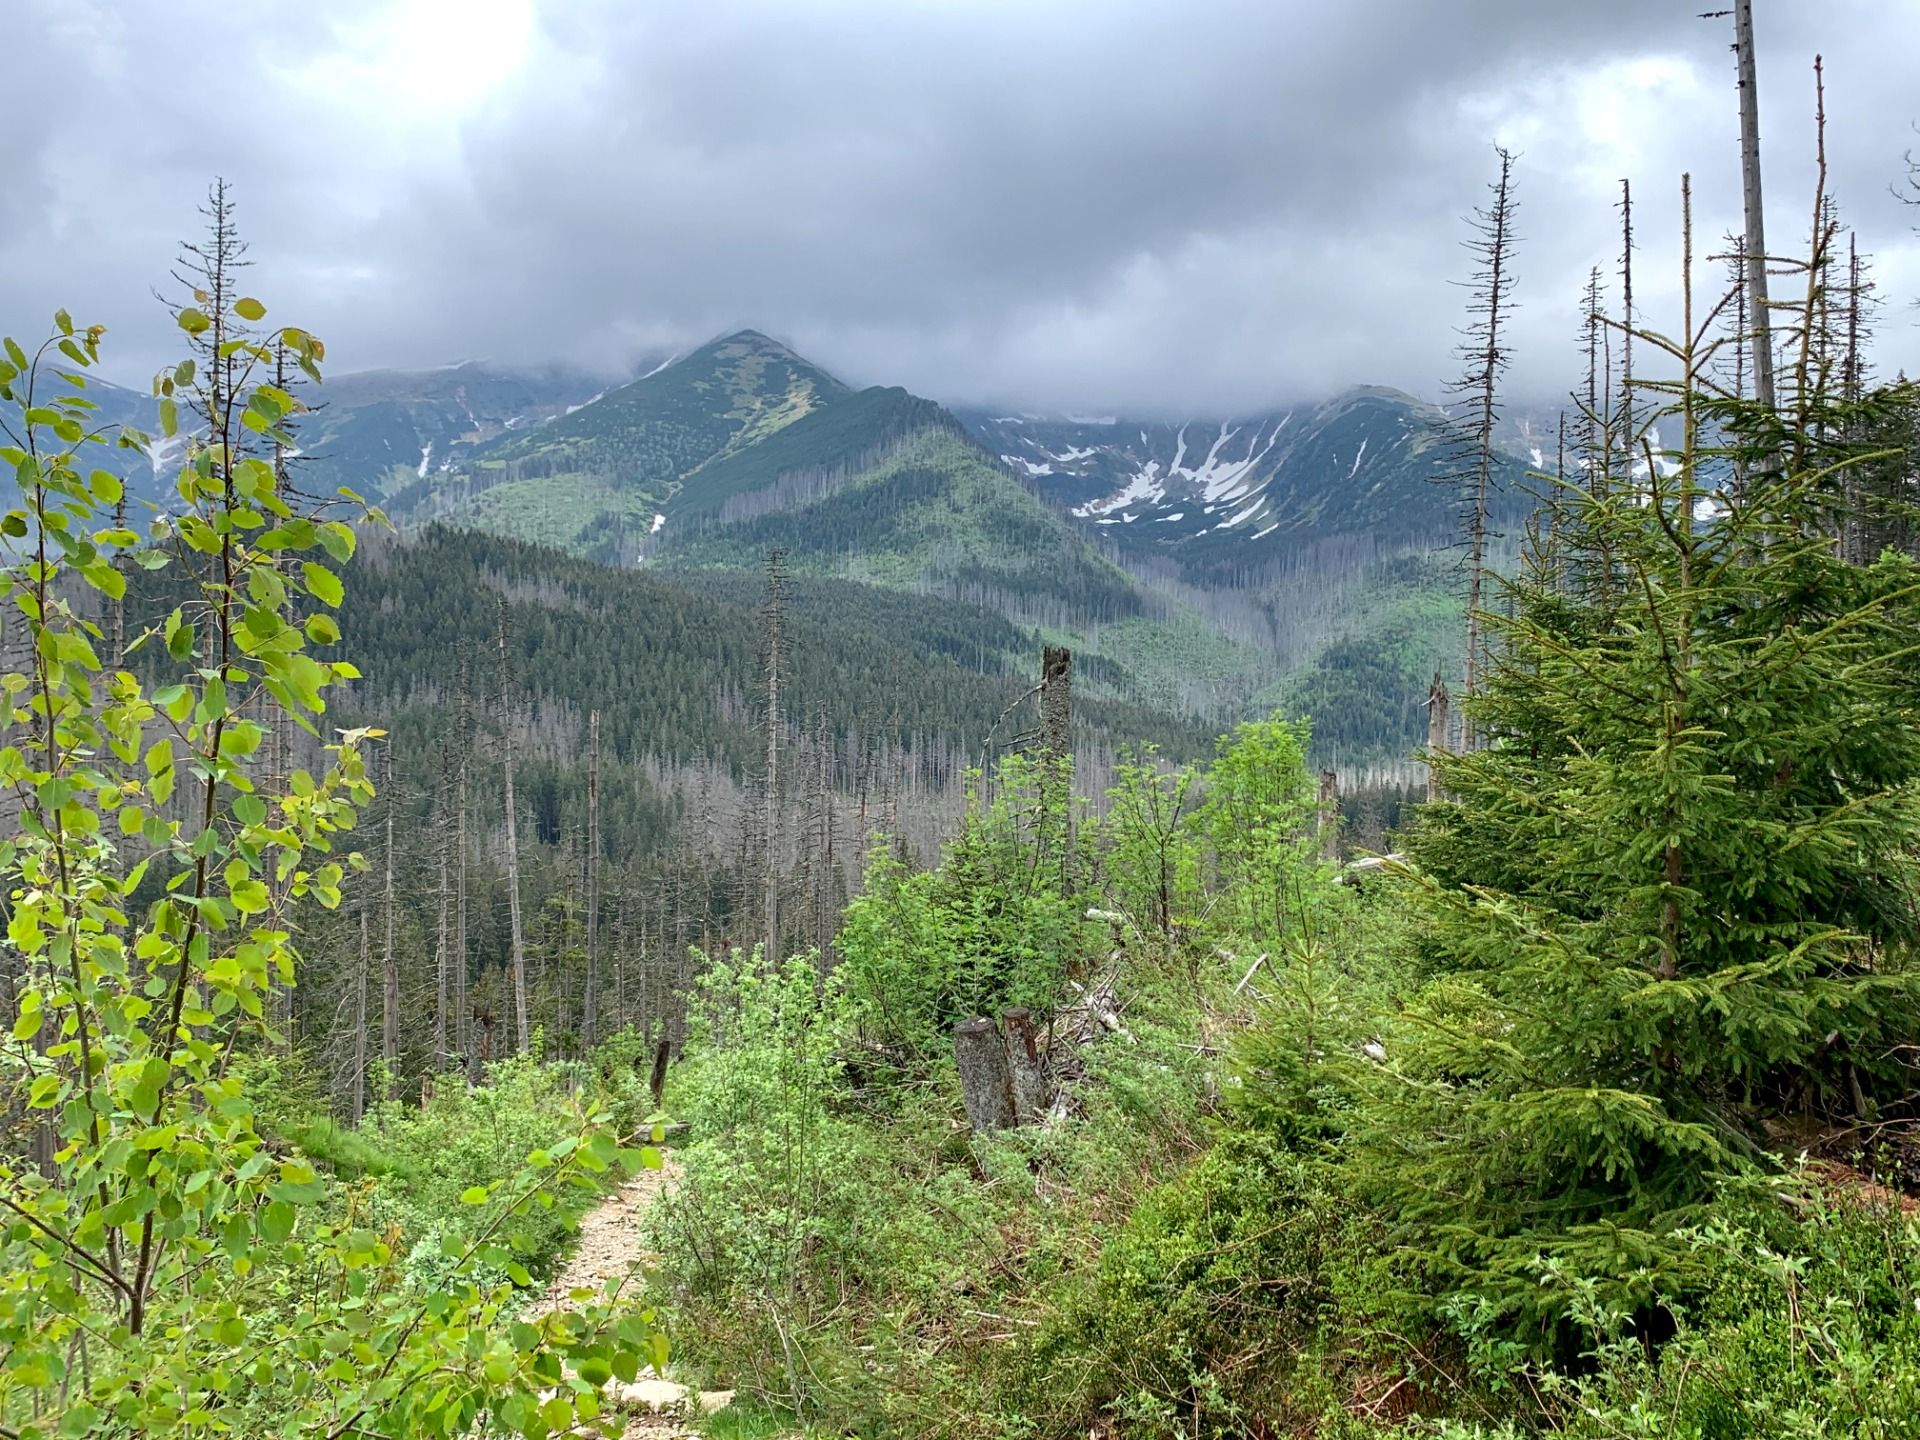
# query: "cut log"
[[986, 1078]]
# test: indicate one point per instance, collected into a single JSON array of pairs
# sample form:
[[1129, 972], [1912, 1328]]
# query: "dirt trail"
[[612, 1246]]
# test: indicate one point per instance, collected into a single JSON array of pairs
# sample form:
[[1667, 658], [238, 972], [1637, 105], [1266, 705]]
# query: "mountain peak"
[[755, 342]]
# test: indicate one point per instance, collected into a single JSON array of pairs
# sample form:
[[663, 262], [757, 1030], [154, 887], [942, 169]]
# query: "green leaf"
[[474, 1195], [248, 308], [194, 322], [322, 583], [339, 540]]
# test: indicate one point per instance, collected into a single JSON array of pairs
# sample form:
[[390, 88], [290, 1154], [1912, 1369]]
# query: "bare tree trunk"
[[1855, 547], [1056, 747], [1439, 716], [389, 957], [462, 1034], [357, 1104], [986, 1077], [441, 1057], [590, 1004], [771, 897], [482, 1054], [1489, 358], [1328, 815], [622, 939], [1756, 236], [522, 1030]]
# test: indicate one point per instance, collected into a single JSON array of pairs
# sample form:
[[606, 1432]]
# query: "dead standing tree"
[[1475, 458], [389, 956], [522, 1030], [1439, 716], [1056, 754], [1759, 313], [1327, 815], [770, 898], [590, 1002]]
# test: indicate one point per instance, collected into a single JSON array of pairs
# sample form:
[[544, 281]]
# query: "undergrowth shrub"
[[793, 1213], [1806, 1327], [1191, 1321]]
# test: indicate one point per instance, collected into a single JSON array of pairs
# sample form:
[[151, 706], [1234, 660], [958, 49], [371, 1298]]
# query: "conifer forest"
[[694, 897]]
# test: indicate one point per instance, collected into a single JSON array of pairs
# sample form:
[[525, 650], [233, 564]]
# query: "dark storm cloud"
[[1167, 206]]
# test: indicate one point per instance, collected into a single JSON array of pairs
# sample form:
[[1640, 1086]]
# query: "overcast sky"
[[1195, 206]]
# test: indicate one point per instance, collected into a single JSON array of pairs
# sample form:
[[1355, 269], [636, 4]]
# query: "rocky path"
[[612, 1247]]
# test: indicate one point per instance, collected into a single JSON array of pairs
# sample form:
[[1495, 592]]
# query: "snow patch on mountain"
[[1142, 489]]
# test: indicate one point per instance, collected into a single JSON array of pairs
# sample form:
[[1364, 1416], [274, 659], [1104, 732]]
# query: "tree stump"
[[1023, 1059], [986, 1078]]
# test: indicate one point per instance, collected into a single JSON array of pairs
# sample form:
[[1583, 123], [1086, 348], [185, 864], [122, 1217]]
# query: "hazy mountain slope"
[[382, 428], [1222, 499], [372, 430], [595, 478]]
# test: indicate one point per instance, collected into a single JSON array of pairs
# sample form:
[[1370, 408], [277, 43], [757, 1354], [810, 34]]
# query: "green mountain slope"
[[378, 430], [743, 447], [929, 512]]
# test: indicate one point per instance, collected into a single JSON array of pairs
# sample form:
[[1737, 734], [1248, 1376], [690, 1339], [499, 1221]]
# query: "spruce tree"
[[1673, 895]]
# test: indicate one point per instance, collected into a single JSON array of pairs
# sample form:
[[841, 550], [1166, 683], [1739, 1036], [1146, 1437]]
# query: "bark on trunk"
[[1756, 236], [986, 1077], [1329, 815], [523, 1032], [390, 960], [1439, 715], [357, 1100], [590, 1003], [1030, 1096]]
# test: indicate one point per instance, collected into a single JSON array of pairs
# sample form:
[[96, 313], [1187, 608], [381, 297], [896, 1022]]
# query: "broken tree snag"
[[986, 1079], [1056, 700], [1023, 1059], [1056, 760], [1439, 715], [1329, 815], [657, 1082]]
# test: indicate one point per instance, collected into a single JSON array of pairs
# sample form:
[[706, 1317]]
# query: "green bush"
[[997, 924], [1805, 1328], [1199, 1306], [787, 1210]]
